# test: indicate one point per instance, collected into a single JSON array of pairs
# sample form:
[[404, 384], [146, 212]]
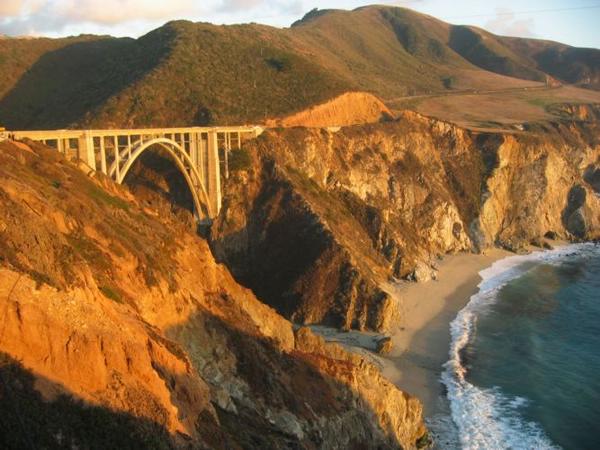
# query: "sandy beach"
[[422, 342]]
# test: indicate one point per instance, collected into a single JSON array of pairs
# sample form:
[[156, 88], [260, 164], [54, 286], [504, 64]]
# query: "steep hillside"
[[221, 75], [319, 223], [570, 64], [391, 51], [187, 73], [18, 55], [54, 83], [119, 330], [433, 55], [179, 74], [487, 51]]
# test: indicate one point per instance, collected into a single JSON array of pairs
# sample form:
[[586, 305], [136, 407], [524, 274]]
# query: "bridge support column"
[[117, 157], [103, 156], [226, 151], [214, 174], [86, 150], [60, 146]]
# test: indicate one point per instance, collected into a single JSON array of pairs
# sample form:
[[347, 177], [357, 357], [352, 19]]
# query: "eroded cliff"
[[119, 330], [318, 223]]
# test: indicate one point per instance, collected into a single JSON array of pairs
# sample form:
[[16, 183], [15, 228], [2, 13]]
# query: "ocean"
[[524, 362]]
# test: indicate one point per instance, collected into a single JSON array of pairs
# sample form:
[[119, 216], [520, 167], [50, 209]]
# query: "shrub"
[[280, 64], [240, 159], [111, 294]]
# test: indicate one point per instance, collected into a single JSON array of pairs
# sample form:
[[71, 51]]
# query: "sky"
[[574, 22]]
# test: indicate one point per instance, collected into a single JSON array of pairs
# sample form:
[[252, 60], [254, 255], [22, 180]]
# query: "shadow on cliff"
[[28, 421], [280, 242], [276, 242], [573, 217], [297, 384], [63, 85], [592, 177], [155, 171]]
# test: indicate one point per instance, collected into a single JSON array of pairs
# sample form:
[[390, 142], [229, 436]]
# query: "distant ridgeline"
[[184, 73]]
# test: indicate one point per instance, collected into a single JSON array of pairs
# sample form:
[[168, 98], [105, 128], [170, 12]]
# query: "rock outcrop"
[[119, 330], [321, 220]]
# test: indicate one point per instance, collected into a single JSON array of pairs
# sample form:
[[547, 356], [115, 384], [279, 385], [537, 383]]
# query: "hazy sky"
[[575, 22]]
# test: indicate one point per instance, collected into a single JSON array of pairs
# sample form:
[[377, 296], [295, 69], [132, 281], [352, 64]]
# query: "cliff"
[[119, 330], [318, 223]]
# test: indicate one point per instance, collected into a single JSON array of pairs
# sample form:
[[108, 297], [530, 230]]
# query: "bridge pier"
[[86, 150], [213, 180]]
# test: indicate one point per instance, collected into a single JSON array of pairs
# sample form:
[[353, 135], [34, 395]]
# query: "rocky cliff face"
[[119, 330], [318, 222]]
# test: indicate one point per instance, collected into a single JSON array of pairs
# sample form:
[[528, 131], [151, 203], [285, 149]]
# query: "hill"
[[187, 73], [570, 64]]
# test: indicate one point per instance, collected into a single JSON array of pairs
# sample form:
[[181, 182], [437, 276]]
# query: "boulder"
[[384, 345]]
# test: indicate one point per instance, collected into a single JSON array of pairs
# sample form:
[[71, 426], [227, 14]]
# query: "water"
[[524, 368]]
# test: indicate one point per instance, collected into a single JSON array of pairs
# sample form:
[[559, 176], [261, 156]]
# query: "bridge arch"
[[195, 151], [181, 159]]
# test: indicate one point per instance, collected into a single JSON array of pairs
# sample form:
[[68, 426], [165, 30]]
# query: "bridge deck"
[[38, 135]]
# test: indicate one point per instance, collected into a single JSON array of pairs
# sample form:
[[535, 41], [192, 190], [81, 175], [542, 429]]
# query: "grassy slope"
[[193, 74], [390, 51], [570, 64], [218, 74], [64, 79], [501, 109], [487, 51], [363, 46]]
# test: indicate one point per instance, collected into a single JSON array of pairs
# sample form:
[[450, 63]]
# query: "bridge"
[[200, 153]]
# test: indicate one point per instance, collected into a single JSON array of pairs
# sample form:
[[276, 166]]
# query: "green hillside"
[[54, 83], [187, 73], [224, 75]]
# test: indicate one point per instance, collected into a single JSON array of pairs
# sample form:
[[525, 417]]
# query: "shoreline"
[[422, 341]]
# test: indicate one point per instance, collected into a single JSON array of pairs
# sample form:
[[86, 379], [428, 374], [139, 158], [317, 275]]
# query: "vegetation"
[[187, 73], [111, 294], [103, 197], [239, 159], [489, 52], [449, 82], [221, 75]]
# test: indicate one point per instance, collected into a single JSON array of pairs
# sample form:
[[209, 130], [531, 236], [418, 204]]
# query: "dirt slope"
[[351, 108]]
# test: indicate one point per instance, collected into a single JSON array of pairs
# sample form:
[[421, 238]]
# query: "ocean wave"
[[487, 418]]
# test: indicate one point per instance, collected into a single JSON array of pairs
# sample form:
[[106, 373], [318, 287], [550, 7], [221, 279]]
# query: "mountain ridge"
[[186, 73]]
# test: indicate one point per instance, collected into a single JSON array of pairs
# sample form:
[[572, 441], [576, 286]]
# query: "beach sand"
[[422, 342]]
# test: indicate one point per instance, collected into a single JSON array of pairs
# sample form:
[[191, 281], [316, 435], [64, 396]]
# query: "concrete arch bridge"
[[200, 153]]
